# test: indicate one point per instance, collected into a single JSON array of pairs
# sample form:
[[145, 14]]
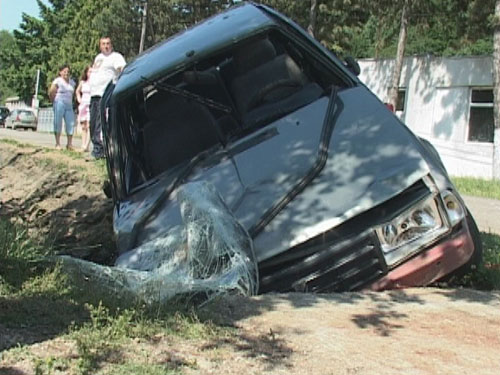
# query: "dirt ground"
[[413, 331], [62, 198]]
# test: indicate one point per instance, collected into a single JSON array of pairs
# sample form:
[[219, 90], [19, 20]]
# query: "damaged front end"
[[210, 254], [328, 188]]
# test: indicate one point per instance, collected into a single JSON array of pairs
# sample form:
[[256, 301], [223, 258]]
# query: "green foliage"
[[143, 369], [8, 44], [107, 333], [32, 288], [50, 365], [477, 187], [79, 44], [68, 31], [487, 275], [16, 244], [121, 20]]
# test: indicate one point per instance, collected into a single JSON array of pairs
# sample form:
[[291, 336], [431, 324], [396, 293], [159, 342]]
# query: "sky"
[[11, 11]]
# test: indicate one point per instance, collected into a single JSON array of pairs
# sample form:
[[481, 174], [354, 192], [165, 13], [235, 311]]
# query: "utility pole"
[[496, 91], [398, 64], [34, 101], [313, 11], [143, 26]]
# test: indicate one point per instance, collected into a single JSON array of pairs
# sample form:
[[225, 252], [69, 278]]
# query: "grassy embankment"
[[37, 299], [39, 303]]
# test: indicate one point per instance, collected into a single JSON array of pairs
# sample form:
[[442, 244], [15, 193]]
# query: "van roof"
[[191, 45]]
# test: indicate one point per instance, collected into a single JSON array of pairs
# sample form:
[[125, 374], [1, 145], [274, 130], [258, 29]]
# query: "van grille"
[[330, 266]]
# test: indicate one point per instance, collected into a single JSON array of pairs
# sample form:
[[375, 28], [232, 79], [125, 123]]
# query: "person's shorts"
[[64, 111]]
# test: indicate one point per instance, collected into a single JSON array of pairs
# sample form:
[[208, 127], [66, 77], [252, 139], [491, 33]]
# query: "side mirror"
[[352, 65], [106, 188]]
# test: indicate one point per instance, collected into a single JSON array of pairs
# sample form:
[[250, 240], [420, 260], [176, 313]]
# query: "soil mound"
[[58, 195]]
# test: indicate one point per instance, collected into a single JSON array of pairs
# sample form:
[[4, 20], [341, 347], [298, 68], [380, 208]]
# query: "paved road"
[[37, 138], [485, 211]]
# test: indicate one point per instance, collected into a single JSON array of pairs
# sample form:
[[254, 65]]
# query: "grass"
[[108, 334], [37, 298], [487, 275], [15, 143], [477, 187]]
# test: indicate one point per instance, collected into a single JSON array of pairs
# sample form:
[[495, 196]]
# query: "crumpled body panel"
[[210, 253]]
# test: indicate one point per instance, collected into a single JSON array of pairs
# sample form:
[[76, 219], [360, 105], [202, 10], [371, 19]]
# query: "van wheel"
[[476, 258]]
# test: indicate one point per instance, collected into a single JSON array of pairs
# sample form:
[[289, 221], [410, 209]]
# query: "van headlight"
[[453, 207], [411, 231]]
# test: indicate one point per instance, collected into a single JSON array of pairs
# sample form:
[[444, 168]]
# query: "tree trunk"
[[312, 17], [398, 65], [143, 26], [496, 92]]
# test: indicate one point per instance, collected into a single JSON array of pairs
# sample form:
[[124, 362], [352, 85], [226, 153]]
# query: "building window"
[[400, 104], [481, 123]]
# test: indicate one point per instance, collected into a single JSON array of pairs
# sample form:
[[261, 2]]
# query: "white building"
[[14, 102], [448, 101]]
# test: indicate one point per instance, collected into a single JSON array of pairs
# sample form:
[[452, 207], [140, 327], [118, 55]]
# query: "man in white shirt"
[[106, 68]]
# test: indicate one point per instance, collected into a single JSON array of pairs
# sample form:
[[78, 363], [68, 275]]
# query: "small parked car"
[[21, 118], [334, 190], [4, 112]]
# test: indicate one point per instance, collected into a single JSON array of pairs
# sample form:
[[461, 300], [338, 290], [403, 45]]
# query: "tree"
[[80, 42], [35, 46], [8, 44]]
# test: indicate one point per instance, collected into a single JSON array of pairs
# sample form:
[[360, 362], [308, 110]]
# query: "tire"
[[476, 258]]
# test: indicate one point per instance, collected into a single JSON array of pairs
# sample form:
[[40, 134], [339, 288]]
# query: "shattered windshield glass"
[[210, 254]]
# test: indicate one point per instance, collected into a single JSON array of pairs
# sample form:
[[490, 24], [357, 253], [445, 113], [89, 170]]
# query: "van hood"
[[372, 157]]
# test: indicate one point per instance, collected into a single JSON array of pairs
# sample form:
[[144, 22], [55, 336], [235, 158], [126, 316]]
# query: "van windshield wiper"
[[189, 95]]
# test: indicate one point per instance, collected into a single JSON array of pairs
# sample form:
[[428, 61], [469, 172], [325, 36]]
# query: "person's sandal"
[[70, 148]]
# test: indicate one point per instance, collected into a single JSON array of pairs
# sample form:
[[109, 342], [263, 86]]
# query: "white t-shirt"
[[105, 69], [65, 90]]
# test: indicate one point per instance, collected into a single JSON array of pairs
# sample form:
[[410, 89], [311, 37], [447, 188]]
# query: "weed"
[[15, 243], [50, 365], [487, 275], [98, 339], [143, 369], [15, 143], [20, 255]]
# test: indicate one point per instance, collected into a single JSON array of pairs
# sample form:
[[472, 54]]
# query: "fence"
[[46, 121]]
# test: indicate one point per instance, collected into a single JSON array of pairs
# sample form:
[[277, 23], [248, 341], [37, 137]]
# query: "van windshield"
[[206, 106]]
